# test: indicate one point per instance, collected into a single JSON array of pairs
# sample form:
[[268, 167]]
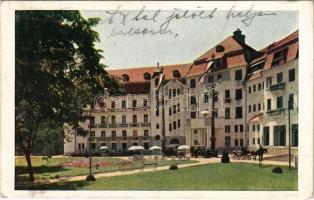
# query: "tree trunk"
[[29, 166]]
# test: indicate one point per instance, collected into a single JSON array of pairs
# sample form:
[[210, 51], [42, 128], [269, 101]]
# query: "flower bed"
[[84, 163]]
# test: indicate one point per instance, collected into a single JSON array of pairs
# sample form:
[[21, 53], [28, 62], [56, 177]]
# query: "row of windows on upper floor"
[[134, 104], [104, 119], [123, 132]]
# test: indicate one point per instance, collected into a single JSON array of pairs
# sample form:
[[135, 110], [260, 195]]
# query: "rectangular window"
[[266, 136], [258, 127], [174, 125], [134, 133], [193, 100], [253, 127], [103, 134], [279, 102], [280, 135], [254, 108], [291, 75], [294, 135], [123, 104], [145, 103], [146, 145], [259, 87], [249, 89], [146, 133], [113, 119], [279, 77], [83, 146], [114, 146], [174, 107], [238, 94], [268, 104], [170, 127], [170, 112], [236, 128], [134, 119], [227, 141], [103, 120], [238, 74], [291, 101], [206, 98], [241, 128], [227, 94], [170, 91], [93, 145], [174, 92], [145, 118], [253, 140], [178, 91], [227, 113], [179, 123], [236, 142], [193, 114], [259, 107], [113, 134], [227, 129], [92, 120], [250, 108], [134, 102], [192, 83], [280, 57], [254, 88], [79, 145], [268, 82], [178, 107], [124, 133], [238, 114], [123, 119]]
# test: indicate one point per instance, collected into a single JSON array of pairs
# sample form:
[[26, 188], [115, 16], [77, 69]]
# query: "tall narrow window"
[[238, 94], [279, 102], [238, 112], [238, 74], [268, 104], [192, 83], [227, 113], [291, 101], [227, 94], [291, 75], [280, 77]]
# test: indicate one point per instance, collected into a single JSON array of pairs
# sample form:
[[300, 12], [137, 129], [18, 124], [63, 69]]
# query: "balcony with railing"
[[123, 125], [113, 125], [145, 124], [276, 112], [276, 87], [102, 125], [134, 124]]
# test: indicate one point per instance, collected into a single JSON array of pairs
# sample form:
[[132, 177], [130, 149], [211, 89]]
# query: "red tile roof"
[[137, 74], [291, 42], [255, 75]]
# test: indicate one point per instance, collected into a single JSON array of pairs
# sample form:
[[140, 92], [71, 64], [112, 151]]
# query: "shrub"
[[277, 170], [225, 157], [173, 167], [57, 176]]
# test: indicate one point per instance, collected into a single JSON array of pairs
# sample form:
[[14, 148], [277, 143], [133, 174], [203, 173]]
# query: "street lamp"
[[90, 176]]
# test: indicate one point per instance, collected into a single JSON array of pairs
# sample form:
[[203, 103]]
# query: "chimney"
[[238, 36]]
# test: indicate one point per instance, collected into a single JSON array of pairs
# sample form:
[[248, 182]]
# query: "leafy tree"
[[58, 71]]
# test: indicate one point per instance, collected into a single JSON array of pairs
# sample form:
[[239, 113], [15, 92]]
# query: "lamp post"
[[289, 133], [90, 176]]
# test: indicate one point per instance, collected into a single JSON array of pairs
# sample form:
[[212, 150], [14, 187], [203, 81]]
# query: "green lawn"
[[52, 168], [233, 176]]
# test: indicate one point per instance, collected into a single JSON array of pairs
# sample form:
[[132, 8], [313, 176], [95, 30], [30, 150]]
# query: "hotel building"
[[252, 90]]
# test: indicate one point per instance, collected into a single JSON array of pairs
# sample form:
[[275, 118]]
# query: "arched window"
[[147, 76], [125, 78], [157, 137], [176, 74]]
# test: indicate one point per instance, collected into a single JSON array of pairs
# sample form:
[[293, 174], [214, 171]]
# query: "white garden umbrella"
[[136, 148], [183, 147], [155, 148], [103, 148]]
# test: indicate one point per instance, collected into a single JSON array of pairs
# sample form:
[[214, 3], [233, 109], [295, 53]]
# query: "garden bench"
[[154, 164]]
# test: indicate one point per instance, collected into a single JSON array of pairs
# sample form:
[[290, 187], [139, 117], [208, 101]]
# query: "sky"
[[190, 36]]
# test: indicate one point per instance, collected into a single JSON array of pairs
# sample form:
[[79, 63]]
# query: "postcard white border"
[[305, 9]]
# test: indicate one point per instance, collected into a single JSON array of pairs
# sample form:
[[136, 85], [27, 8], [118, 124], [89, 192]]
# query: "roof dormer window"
[[125, 78], [220, 48], [176, 74], [147, 76]]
